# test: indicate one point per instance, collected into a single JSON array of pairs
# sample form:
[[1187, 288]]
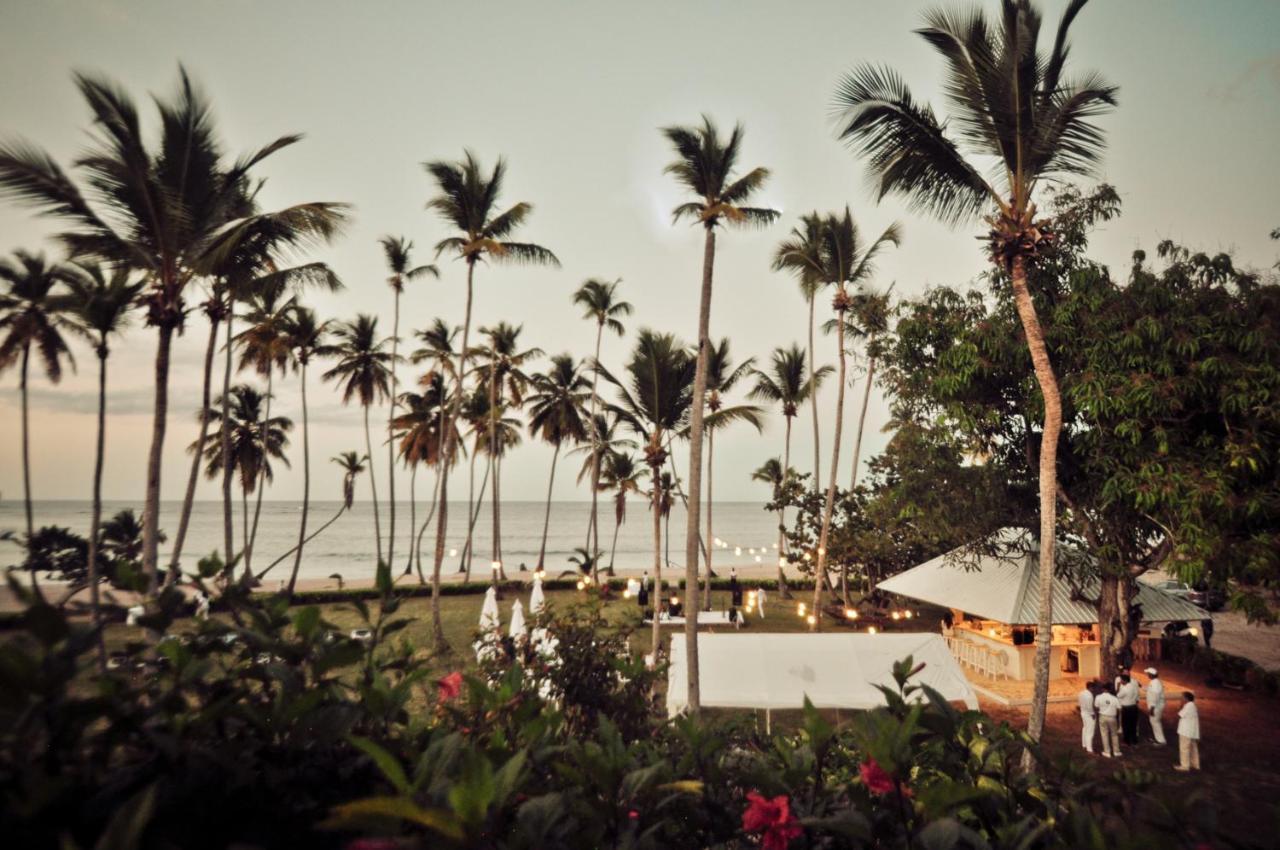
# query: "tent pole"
[[768, 722]]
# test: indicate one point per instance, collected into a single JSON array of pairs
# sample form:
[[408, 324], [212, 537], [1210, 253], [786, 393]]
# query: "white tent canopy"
[[537, 599], [1005, 587], [489, 617], [517, 621], [775, 671]]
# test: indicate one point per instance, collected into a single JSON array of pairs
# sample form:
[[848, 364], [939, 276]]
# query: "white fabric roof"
[[517, 620], [833, 670], [489, 617], [1006, 588]]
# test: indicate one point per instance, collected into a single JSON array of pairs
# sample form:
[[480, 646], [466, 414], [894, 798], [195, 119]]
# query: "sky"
[[573, 94]]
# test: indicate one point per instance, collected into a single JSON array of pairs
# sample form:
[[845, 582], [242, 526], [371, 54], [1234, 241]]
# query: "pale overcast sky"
[[572, 93]]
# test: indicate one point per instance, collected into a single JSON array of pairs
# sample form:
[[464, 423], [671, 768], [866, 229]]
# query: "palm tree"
[[467, 200], [101, 306], [33, 315], [352, 464], [560, 397], [605, 441], [167, 211], [265, 347], [500, 435], [847, 261], [771, 473], [800, 253], [255, 438], [475, 413], [621, 475], [722, 376], [398, 252], [503, 379], [787, 385], [420, 431], [437, 350], [600, 305], [705, 165], [120, 538], [305, 337], [1014, 106], [655, 401], [870, 319], [364, 371]]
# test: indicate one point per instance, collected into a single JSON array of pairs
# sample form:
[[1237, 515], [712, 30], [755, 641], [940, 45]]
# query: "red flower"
[[449, 687], [773, 818], [633, 814], [879, 781], [373, 844]]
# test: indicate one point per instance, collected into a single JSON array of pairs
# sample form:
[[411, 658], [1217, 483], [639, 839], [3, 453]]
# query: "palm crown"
[[100, 301], [657, 395], [351, 464], [255, 441], [557, 404], [1017, 117], [705, 166], [787, 381], [599, 304], [398, 251], [33, 313], [363, 367]]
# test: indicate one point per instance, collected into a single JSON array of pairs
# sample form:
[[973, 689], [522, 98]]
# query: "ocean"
[[746, 532]]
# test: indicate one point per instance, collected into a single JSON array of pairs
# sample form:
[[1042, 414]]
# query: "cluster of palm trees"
[[156, 227]]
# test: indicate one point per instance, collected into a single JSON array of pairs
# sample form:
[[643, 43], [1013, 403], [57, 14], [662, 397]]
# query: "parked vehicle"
[[1208, 597], [1173, 587]]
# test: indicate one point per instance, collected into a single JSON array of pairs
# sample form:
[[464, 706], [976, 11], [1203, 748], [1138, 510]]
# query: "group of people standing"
[[1112, 711]]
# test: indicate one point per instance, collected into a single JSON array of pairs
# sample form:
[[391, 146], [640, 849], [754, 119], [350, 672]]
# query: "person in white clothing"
[[1188, 733], [1129, 695], [1088, 717], [1155, 704], [760, 600], [1108, 708]]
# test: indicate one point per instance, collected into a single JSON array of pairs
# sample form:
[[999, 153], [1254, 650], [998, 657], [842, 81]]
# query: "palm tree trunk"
[[391, 445], [692, 540], [413, 516], [188, 500], [95, 604], [655, 473], [593, 525], [711, 480], [475, 511], [613, 548], [546, 518], [26, 449], [151, 507], [373, 486], [813, 399], [784, 592], [262, 484], [312, 536], [1048, 488], [442, 523], [497, 509], [829, 504], [228, 529], [306, 480], [862, 420], [426, 521], [465, 564]]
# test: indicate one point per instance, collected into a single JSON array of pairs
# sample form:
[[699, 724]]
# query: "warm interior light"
[[871, 630], [895, 615], [497, 565], [581, 585], [991, 632], [850, 614], [907, 614], [675, 600], [811, 619]]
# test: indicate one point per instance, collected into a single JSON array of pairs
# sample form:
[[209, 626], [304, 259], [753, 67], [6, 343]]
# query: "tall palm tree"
[[265, 347], [503, 378], [722, 376], [165, 210], [420, 430], [600, 305], [705, 166], [621, 475], [34, 313], [475, 413], [352, 464], [467, 200], [398, 253], [604, 442], [364, 372], [801, 254], [556, 414], [1012, 105], [869, 319], [655, 400], [787, 385], [848, 261], [772, 472], [256, 440], [305, 336], [436, 350], [101, 304]]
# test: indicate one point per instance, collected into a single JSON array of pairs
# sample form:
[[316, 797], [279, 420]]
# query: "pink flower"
[[373, 844], [879, 781], [449, 687], [773, 819], [633, 814]]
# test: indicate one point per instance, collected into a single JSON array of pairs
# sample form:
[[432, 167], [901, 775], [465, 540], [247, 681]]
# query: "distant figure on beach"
[[1188, 733], [735, 589], [760, 600]]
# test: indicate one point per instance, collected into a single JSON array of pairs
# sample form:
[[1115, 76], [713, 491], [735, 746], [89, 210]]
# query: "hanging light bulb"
[[453, 553], [758, 559], [581, 586], [811, 619], [850, 614], [871, 630], [737, 550]]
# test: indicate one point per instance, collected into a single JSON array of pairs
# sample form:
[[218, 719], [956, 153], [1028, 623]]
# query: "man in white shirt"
[[1088, 717], [1108, 708], [1188, 733], [1155, 704], [1128, 693]]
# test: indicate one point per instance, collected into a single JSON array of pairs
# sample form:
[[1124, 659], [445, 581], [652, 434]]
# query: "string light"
[[850, 614], [871, 630], [581, 586], [737, 550], [453, 553], [497, 565], [811, 619]]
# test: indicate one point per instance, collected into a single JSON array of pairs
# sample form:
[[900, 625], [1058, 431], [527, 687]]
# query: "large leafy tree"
[[399, 255], [34, 314], [467, 200], [1017, 122], [558, 414], [363, 371], [167, 209], [601, 306], [705, 166], [101, 301]]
